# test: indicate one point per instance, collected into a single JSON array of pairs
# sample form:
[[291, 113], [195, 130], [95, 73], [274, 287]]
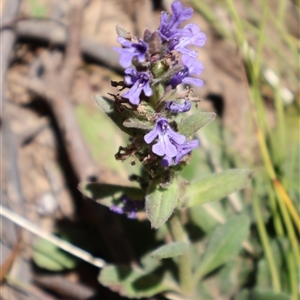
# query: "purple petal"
[[176, 137], [131, 50], [125, 57], [193, 81], [151, 136], [169, 24], [194, 66], [164, 147], [134, 94], [174, 107], [147, 90], [185, 149]]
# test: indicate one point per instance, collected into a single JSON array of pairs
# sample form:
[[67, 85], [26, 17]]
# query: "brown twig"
[[50, 31], [64, 287], [55, 87]]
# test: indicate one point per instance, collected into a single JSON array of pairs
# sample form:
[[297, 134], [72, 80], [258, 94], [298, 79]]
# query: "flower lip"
[[138, 82], [191, 67], [131, 50], [166, 138], [182, 150]]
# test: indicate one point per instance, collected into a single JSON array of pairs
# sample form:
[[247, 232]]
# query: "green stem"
[[275, 213], [260, 42], [292, 274], [289, 227], [266, 245], [184, 261]]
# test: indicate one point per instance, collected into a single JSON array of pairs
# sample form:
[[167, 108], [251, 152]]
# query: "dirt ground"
[[49, 85]]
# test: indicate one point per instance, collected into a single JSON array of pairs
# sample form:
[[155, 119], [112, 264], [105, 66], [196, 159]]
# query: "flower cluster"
[[154, 66]]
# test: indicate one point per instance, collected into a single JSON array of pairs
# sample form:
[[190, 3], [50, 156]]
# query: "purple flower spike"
[[138, 82], [131, 50], [169, 24], [175, 107], [130, 207], [166, 138], [182, 150]]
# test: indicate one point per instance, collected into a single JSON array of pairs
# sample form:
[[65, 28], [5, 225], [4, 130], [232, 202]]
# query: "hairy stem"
[[184, 261]]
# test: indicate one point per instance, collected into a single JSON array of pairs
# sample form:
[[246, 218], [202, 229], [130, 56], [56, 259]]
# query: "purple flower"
[[191, 67], [182, 150], [130, 207], [190, 36], [138, 82], [166, 138], [168, 24], [175, 107], [131, 50]]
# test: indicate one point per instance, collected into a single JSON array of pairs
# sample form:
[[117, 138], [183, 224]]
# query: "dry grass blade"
[[51, 238]]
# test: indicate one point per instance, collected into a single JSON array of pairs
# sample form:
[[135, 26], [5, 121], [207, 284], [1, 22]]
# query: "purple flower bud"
[[131, 50], [169, 24], [130, 207], [175, 107], [138, 82], [166, 137], [182, 150]]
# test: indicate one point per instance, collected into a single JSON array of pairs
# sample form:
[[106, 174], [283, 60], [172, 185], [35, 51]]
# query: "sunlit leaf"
[[160, 202], [136, 123], [170, 250], [191, 124], [107, 107], [208, 215], [217, 186], [224, 243]]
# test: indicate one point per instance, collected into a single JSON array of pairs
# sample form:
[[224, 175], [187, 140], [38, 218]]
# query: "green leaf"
[[103, 142], [107, 106], [224, 243], [208, 216], [170, 250], [233, 276], [50, 257], [259, 295], [217, 186], [160, 202], [109, 194], [269, 295], [191, 124], [136, 123], [134, 283]]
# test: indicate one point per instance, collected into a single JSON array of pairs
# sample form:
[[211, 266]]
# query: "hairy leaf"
[[191, 124], [224, 243], [160, 202], [217, 186], [134, 283], [106, 105], [136, 123], [170, 250]]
